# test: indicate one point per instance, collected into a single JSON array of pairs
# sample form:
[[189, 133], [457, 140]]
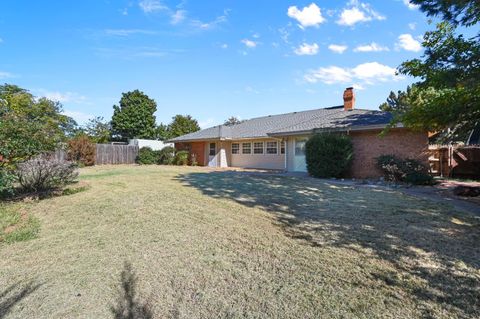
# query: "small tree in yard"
[[329, 155], [81, 150]]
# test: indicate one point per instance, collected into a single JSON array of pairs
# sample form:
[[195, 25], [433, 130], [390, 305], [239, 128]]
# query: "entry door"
[[300, 164], [212, 154]]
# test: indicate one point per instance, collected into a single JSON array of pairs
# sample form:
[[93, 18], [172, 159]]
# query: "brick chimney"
[[348, 99]]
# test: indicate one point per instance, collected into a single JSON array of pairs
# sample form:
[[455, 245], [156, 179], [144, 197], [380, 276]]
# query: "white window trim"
[[263, 148], [276, 148], [238, 149], [251, 151]]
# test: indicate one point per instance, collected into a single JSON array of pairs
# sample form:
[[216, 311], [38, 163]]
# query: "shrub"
[[329, 155], [404, 170], [147, 156], [166, 155], [6, 183], [81, 150], [181, 158], [45, 174]]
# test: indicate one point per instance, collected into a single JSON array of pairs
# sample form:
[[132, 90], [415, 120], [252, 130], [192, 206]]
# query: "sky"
[[209, 59]]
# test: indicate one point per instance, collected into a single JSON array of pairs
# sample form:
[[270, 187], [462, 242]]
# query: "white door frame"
[[212, 159], [299, 161]]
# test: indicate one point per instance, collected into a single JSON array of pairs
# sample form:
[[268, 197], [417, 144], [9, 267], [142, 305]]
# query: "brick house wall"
[[368, 145], [197, 148]]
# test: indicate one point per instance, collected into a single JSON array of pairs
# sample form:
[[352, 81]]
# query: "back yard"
[[204, 244]]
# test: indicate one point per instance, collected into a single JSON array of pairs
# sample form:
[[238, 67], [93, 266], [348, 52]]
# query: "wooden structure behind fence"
[[455, 161], [115, 154]]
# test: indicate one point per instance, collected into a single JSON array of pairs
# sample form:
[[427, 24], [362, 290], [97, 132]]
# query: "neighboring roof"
[[332, 118]]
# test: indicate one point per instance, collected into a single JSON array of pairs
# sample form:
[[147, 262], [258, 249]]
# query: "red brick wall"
[[197, 148], [400, 142]]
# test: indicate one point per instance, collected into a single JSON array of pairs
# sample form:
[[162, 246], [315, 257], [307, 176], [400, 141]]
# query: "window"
[[247, 148], [235, 148], [272, 148], [212, 150], [282, 148], [300, 147], [258, 148]]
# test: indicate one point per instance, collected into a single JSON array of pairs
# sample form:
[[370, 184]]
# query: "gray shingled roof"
[[291, 123]]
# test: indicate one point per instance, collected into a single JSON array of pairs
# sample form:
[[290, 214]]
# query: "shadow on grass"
[[12, 296], [410, 234], [129, 305]]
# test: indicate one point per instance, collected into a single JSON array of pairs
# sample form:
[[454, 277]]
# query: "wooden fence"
[[115, 154], [455, 161]]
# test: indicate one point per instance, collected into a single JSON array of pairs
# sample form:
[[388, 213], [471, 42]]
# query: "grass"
[[189, 243], [16, 224]]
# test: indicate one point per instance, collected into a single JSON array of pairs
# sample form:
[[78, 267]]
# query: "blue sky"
[[209, 59]]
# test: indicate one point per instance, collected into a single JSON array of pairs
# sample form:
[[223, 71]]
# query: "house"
[[278, 141]]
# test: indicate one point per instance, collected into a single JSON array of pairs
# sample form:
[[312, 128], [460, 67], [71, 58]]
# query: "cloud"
[[127, 32], [224, 46], [212, 24], [178, 17], [407, 42], [149, 6], [372, 47], [410, 5], [310, 16], [79, 117], [249, 43], [337, 48], [5, 75], [65, 97], [307, 49], [367, 73], [412, 26], [358, 12]]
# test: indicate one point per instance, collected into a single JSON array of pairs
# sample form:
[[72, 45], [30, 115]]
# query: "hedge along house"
[[278, 141]]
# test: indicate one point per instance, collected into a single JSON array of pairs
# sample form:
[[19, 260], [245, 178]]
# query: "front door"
[[299, 162], [212, 154]]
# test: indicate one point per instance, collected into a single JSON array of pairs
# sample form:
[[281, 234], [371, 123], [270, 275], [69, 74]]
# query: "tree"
[[232, 120], [447, 96], [134, 117], [29, 126], [98, 130], [181, 125]]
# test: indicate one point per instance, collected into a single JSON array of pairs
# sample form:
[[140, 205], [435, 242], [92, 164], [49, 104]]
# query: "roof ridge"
[[307, 120], [295, 112]]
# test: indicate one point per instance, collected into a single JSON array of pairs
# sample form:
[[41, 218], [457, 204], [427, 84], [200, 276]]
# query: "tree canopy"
[[134, 117], [98, 130], [28, 125], [181, 125], [447, 95], [232, 120]]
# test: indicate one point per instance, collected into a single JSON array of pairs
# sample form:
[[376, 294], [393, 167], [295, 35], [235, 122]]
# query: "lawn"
[[202, 244]]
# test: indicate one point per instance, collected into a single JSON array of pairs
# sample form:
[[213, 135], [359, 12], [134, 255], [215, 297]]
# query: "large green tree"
[[181, 125], [98, 130], [134, 117], [447, 96], [29, 126]]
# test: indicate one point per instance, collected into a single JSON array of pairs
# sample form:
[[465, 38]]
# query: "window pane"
[[213, 150], [300, 147], [272, 148], [258, 148], [282, 148], [235, 148], [246, 148]]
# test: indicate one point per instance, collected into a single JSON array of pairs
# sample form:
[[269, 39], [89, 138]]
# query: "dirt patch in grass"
[[222, 244]]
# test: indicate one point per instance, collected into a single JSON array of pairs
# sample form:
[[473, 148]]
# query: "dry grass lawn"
[[207, 244]]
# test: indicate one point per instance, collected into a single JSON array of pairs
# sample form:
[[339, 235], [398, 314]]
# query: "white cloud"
[[412, 26], [127, 32], [410, 5], [5, 75], [224, 46], [310, 16], [210, 25], [149, 6], [178, 16], [367, 73], [307, 49], [358, 12], [79, 117], [372, 47], [249, 43], [337, 48], [64, 97], [407, 42]]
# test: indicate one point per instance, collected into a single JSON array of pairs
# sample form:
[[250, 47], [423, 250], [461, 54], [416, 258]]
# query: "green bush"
[[166, 155], [404, 170], [6, 183], [147, 156], [329, 155], [181, 158]]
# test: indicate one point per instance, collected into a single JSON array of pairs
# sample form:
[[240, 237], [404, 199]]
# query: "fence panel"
[[116, 154]]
